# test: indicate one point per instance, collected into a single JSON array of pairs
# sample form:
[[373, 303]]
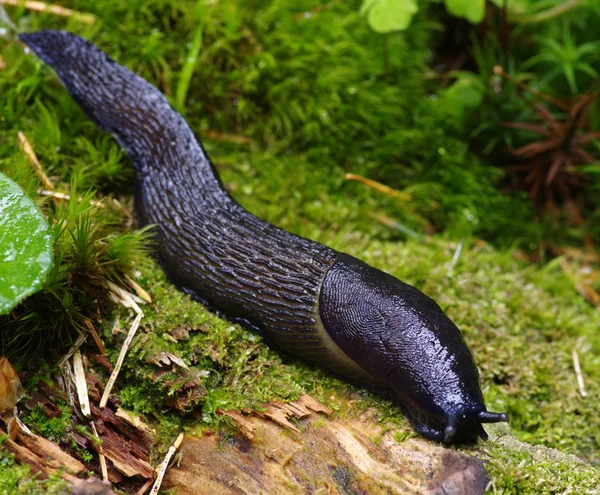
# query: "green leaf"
[[472, 10], [386, 16], [25, 245]]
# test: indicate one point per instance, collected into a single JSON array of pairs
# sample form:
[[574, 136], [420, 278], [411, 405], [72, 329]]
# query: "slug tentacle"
[[305, 298]]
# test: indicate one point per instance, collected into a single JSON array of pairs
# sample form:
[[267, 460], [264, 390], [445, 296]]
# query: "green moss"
[[17, 479], [308, 91], [52, 428], [516, 467]]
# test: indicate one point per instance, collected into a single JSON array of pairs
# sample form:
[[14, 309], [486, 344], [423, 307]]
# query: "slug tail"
[[156, 137]]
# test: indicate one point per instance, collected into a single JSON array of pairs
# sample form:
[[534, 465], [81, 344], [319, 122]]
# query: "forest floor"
[[524, 322]]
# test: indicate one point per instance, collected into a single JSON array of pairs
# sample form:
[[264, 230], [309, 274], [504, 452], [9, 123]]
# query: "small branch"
[[578, 374], [165, 464], [145, 487], [2, 63], [51, 9], [101, 456], [80, 384], [33, 160], [121, 358], [544, 15]]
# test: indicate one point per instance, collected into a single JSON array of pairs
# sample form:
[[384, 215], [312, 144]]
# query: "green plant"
[[550, 169], [564, 58], [88, 252], [26, 241]]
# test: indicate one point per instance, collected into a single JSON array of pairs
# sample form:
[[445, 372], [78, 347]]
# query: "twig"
[[120, 359], [578, 374], [81, 385], [378, 186], [457, 252], [2, 63], [101, 456], [67, 197], [145, 487], [224, 136], [33, 160], [52, 9], [138, 289], [165, 464]]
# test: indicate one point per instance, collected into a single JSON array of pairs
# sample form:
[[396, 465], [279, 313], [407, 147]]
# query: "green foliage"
[[566, 58], [472, 10], [17, 479], [52, 428], [26, 239], [386, 16], [87, 251]]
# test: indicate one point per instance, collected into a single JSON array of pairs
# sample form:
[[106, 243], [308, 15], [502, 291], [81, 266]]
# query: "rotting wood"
[[101, 456], [333, 455], [279, 412], [240, 421], [122, 444]]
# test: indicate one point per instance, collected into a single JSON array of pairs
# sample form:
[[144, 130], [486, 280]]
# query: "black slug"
[[305, 298]]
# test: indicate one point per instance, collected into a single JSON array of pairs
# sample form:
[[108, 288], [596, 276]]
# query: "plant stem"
[[386, 56], [544, 15]]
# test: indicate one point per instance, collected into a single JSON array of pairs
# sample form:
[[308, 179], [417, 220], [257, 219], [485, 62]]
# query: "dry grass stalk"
[[66, 197], [121, 358], [101, 456], [51, 9], [578, 374], [165, 464], [139, 290], [33, 160], [81, 385], [124, 297]]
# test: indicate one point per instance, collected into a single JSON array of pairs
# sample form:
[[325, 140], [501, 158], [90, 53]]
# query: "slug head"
[[404, 340]]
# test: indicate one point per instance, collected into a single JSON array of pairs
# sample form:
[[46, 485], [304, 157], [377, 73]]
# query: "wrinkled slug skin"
[[305, 298]]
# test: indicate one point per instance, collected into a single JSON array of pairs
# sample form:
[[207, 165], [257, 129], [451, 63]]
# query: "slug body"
[[305, 298]]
